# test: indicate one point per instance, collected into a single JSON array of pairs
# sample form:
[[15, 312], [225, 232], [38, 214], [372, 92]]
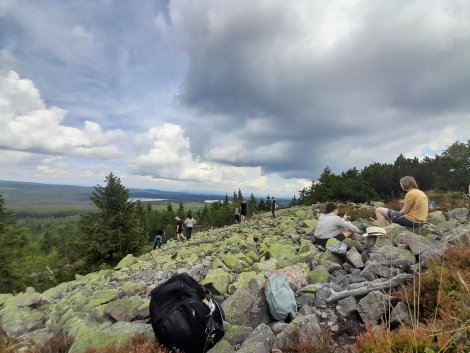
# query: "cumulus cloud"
[[165, 153], [28, 125]]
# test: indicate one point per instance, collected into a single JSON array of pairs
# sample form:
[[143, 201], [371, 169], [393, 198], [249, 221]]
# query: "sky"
[[217, 95]]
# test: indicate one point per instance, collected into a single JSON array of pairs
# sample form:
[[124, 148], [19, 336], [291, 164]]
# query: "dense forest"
[[42, 252], [449, 171]]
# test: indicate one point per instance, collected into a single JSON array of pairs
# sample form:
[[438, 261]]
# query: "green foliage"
[[12, 241], [447, 172], [115, 229]]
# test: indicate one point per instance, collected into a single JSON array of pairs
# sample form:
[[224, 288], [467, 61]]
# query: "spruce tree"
[[12, 240], [114, 230]]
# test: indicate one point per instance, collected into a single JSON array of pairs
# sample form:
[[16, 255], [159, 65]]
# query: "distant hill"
[[25, 194]]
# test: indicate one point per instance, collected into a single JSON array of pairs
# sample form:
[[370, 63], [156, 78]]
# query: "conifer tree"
[[12, 240], [113, 231]]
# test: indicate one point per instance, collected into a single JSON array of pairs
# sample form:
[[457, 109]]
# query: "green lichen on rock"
[[319, 275], [4, 297], [103, 296], [16, 321], [131, 288], [92, 337], [218, 279], [127, 309], [126, 262], [23, 299], [237, 262]]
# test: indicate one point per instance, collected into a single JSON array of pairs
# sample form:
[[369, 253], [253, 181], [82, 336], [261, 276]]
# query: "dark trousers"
[[188, 232]]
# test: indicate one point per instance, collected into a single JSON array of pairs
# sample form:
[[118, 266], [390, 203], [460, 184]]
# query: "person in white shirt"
[[189, 223]]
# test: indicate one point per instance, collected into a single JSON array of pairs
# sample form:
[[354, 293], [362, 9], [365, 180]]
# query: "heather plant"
[[139, 344], [439, 300], [321, 343]]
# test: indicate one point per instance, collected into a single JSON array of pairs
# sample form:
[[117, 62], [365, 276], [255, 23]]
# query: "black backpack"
[[180, 318]]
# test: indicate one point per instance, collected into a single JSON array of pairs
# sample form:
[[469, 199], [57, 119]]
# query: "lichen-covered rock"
[[247, 306], [261, 340], [319, 275], [103, 296], [373, 306], [4, 297], [459, 236], [346, 306], [218, 280], [125, 262], [222, 347], [304, 327], [236, 334], [16, 321], [268, 265], [436, 217], [392, 256], [459, 214], [401, 315], [93, 337], [59, 291], [131, 288], [23, 299], [245, 277], [128, 309], [237, 262]]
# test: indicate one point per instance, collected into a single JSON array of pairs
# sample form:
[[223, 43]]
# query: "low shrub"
[[439, 301]]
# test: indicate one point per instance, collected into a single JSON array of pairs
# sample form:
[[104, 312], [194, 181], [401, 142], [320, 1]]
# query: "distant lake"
[[144, 199]]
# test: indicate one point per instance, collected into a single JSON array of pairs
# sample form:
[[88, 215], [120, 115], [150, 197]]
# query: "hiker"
[[273, 206], [415, 207], [158, 240], [243, 210], [179, 229], [237, 214], [331, 230], [189, 222]]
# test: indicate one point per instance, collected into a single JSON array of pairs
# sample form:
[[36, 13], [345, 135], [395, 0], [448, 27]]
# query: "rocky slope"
[[111, 306]]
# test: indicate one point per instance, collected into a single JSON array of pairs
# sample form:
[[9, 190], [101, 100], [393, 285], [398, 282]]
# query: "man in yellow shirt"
[[415, 207]]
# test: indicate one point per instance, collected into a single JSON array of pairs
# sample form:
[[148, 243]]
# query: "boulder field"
[[109, 307]]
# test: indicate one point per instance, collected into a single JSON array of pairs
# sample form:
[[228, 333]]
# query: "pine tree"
[[12, 240], [113, 231]]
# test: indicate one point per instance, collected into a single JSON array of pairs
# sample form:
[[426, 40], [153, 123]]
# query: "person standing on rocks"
[[189, 223], [179, 229], [237, 214], [243, 211], [273, 206], [331, 230], [415, 207]]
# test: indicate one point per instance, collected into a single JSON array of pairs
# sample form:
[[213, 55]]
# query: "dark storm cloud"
[[390, 69]]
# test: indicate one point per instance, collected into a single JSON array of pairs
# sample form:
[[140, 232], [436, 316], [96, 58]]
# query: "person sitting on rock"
[[415, 207], [331, 230]]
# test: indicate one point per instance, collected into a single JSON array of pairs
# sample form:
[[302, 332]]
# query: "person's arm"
[[407, 204], [347, 225]]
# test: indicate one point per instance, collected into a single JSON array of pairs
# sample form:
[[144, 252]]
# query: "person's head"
[[177, 219], [408, 183], [274, 198], [330, 207], [189, 216]]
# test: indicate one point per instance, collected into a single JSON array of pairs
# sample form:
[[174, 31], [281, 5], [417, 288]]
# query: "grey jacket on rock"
[[330, 225]]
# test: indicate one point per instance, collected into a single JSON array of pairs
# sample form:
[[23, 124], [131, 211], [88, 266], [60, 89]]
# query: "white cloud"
[[28, 125]]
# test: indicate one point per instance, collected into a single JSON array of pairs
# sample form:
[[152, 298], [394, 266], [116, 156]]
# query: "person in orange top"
[[415, 207]]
